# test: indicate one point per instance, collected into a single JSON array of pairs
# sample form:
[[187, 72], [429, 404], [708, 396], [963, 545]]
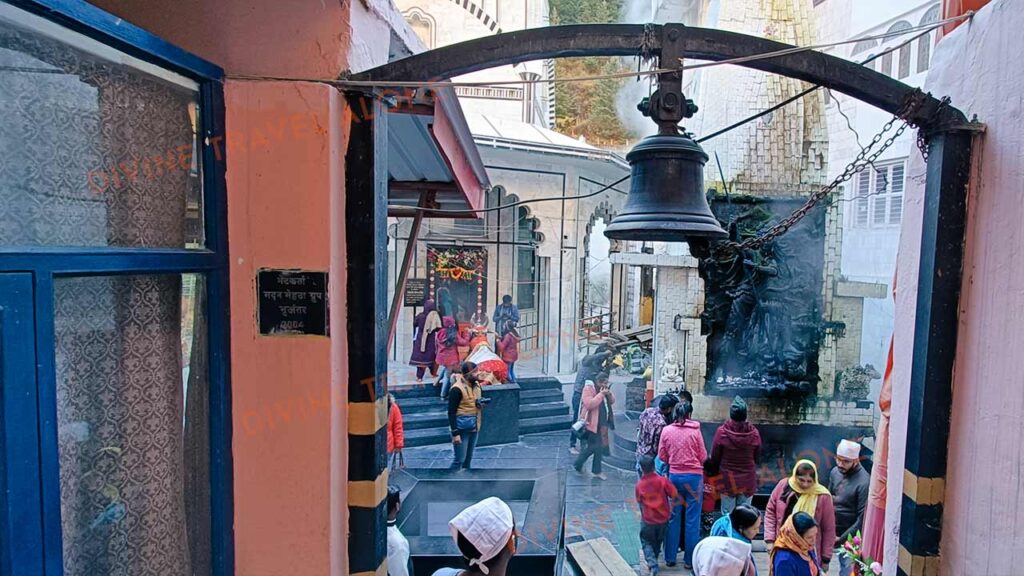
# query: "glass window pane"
[[526, 278], [924, 48], [904, 54], [864, 183], [897, 178], [132, 423], [882, 181], [879, 211], [886, 65], [861, 213], [98, 148]]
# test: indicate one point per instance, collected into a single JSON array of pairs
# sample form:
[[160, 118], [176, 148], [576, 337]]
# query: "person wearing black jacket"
[[849, 484], [590, 366]]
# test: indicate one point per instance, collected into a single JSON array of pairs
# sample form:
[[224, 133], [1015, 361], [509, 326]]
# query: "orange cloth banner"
[[873, 527]]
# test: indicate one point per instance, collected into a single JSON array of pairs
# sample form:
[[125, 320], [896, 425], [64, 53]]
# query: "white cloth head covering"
[[487, 525], [849, 450], [482, 354], [721, 556]]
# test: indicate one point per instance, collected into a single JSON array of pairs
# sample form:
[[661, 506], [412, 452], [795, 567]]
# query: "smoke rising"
[[687, 12]]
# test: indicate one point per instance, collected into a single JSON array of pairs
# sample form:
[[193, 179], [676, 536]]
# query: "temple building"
[[537, 252]]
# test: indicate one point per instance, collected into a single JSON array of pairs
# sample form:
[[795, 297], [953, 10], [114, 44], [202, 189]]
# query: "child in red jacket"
[[508, 348], [656, 495], [396, 431]]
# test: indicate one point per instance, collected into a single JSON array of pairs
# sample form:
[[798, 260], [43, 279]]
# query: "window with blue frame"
[[99, 149], [111, 201]]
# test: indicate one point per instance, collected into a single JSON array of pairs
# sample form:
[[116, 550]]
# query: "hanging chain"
[[922, 138], [864, 159]]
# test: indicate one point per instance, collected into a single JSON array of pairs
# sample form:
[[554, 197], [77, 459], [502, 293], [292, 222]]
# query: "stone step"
[[406, 392], [421, 404], [441, 435], [540, 382], [432, 403], [541, 395], [427, 437], [545, 424], [439, 416], [621, 458]]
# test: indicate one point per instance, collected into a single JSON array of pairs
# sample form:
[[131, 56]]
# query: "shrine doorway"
[[456, 281]]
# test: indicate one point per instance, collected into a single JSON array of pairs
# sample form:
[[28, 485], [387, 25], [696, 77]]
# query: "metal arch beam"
[[831, 72]]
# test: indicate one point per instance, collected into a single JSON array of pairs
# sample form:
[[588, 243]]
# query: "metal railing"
[[595, 328]]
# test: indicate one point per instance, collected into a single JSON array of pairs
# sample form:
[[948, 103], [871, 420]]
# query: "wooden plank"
[[597, 557]]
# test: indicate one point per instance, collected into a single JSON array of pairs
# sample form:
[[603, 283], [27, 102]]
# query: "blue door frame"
[[19, 462], [27, 279]]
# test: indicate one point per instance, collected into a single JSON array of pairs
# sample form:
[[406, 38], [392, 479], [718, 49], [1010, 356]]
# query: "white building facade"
[[873, 200], [445, 22]]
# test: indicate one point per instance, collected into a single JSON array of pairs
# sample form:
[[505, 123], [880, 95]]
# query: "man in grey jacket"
[[849, 483]]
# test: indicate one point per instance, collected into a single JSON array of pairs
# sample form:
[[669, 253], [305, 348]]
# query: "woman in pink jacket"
[[682, 448], [595, 409], [801, 492]]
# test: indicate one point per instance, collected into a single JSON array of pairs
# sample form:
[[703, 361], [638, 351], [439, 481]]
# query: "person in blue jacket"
[[793, 553], [743, 524]]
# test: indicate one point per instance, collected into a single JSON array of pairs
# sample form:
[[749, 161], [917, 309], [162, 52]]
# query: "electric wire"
[[514, 204], [800, 95], [874, 169]]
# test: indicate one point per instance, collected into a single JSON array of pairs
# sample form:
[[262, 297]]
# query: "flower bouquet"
[[862, 565]]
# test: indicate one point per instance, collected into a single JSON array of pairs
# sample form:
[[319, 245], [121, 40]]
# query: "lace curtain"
[[94, 153], [97, 152]]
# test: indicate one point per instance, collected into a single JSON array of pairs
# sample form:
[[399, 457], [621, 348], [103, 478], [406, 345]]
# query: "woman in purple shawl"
[[423, 342]]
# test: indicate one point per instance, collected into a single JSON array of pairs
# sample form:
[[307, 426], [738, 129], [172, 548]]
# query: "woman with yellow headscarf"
[[801, 492]]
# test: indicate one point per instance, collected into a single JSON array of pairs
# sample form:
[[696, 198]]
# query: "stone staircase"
[[542, 408], [623, 442]]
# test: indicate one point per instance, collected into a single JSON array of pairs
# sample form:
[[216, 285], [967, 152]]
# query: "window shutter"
[[861, 201], [896, 200], [879, 209]]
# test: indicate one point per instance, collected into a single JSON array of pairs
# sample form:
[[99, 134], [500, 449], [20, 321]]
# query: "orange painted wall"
[[290, 38], [279, 176], [285, 181]]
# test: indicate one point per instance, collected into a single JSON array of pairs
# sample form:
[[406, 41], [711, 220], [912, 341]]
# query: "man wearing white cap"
[[848, 483], [486, 536]]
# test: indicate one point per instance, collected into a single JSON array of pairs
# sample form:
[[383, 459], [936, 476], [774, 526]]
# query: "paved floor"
[[593, 508]]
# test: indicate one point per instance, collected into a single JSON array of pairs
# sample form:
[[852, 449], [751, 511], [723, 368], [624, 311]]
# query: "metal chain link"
[[922, 138], [864, 159]]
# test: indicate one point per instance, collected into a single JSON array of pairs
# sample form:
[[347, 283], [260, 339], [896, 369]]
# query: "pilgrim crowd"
[[805, 524]]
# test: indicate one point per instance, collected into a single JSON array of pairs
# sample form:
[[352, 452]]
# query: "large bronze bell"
[[666, 196]]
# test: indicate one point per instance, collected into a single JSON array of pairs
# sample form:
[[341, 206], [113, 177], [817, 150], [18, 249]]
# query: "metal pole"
[[935, 337], [426, 199]]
